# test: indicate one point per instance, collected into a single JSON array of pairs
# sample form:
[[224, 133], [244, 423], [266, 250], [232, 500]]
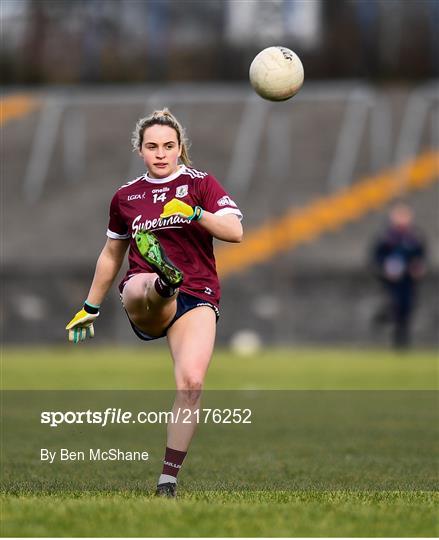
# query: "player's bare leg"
[[191, 340], [150, 299], [149, 311]]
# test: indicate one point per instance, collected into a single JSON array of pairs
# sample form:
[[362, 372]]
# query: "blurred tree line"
[[93, 41]]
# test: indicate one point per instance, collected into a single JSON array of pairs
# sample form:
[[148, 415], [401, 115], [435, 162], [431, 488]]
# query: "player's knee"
[[190, 389], [134, 292]]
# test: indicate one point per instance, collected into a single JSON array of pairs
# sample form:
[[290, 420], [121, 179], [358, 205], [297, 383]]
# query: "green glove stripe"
[[97, 306]]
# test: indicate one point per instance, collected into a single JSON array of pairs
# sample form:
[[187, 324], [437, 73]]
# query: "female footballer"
[[167, 218]]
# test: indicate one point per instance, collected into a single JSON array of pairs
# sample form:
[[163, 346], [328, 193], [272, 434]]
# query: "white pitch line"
[[349, 140], [411, 127], [381, 134], [74, 139], [279, 146], [247, 143], [42, 148], [435, 128]]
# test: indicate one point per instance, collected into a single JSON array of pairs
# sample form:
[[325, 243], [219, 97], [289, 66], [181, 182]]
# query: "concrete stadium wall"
[[279, 306], [271, 157]]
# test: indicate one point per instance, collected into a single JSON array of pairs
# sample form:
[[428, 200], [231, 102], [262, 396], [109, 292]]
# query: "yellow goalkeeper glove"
[[180, 208], [81, 326]]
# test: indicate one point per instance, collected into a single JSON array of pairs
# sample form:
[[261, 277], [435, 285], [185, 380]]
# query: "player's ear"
[[180, 149]]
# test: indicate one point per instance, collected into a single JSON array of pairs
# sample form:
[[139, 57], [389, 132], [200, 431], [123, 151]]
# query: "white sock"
[[165, 478]]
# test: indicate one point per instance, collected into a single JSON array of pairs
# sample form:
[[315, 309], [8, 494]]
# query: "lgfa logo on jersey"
[[136, 196], [181, 191]]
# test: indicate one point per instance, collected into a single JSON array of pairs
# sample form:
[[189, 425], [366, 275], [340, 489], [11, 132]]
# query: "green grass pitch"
[[263, 512]]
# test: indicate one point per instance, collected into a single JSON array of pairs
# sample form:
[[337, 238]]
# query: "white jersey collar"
[[181, 169]]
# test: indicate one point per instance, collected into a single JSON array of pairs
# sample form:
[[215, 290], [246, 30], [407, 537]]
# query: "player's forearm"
[[227, 228], [107, 268], [105, 273]]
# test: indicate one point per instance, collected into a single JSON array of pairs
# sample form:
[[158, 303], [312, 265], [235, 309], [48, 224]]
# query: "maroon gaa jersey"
[[138, 204]]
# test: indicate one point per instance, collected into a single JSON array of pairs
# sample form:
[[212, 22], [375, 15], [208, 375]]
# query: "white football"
[[276, 73]]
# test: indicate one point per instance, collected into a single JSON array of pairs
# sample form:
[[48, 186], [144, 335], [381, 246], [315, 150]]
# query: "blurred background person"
[[399, 262]]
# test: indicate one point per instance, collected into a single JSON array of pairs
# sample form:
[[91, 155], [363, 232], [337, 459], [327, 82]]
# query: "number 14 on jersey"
[[159, 197]]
